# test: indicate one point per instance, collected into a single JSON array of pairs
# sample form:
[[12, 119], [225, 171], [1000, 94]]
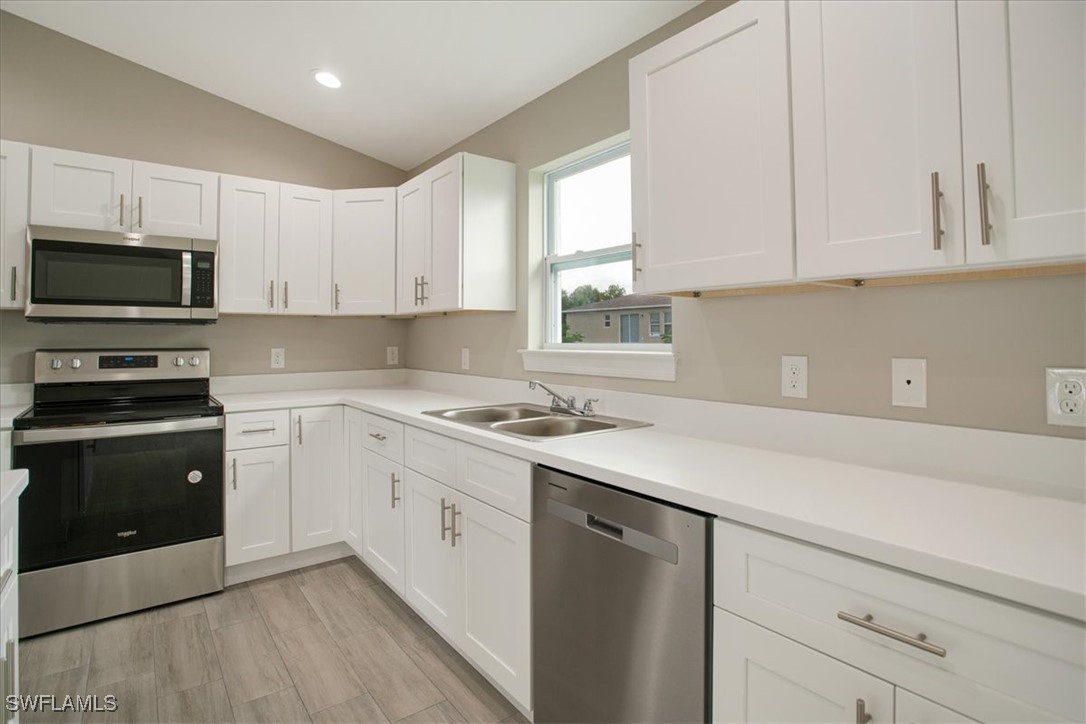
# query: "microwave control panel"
[[203, 279]]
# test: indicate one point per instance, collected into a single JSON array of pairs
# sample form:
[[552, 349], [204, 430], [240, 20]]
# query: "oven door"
[[101, 491], [103, 278]]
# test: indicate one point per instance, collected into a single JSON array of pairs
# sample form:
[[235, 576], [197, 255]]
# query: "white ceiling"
[[417, 76]]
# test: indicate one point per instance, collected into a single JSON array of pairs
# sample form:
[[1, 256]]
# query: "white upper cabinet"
[[364, 252], [1023, 74], [14, 188], [877, 138], [172, 201], [80, 190], [711, 156], [248, 246], [305, 249], [103, 193], [456, 246]]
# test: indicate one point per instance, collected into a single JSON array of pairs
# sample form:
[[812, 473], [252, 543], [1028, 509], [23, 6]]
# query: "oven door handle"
[[98, 432]]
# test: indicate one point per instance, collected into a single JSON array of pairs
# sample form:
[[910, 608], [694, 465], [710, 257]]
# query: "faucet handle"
[[588, 404]]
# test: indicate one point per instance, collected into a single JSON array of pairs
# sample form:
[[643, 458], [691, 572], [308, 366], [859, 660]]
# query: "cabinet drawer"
[[496, 479], [384, 437], [246, 430], [432, 455], [993, 660]]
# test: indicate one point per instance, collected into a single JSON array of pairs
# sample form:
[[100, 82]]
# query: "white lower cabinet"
[[432, 561], [762, 676], [316, 476], [383, 518], [912, 709], [257, 503], [353, 431]]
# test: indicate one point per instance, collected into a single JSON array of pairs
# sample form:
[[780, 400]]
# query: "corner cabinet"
[[364, 250], [456, 237], [711, 154], [103, 193], [14, 209]]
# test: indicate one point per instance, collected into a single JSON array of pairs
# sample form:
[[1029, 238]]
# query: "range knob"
[[76, 363], [178, 361], [56, 363], [194, 361]]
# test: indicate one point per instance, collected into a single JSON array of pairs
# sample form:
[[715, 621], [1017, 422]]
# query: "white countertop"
[[12, 485], [1025, 548]]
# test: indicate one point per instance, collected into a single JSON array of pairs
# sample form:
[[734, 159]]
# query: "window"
[[588, 263], [654, 324]]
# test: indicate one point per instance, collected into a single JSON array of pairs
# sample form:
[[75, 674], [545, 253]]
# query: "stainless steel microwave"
[[98, 276]]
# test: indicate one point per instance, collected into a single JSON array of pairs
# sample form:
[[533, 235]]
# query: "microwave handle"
[[186, 279]]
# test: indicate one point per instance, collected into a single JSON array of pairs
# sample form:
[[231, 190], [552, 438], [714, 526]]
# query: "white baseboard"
[[289, 562]]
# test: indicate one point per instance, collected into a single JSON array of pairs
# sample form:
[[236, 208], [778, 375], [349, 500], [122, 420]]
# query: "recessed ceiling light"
[[328, 80]]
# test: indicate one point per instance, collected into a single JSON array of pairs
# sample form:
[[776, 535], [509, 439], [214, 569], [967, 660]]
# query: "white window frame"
[[654, 319]]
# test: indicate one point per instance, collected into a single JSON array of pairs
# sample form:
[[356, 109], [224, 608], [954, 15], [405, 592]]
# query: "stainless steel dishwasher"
[[621, 605]]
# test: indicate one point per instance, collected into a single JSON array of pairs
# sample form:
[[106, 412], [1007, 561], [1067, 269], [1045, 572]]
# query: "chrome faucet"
[[565, 405]]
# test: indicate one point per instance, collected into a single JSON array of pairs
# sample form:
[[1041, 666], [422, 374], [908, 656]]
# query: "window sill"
[[601, 363]]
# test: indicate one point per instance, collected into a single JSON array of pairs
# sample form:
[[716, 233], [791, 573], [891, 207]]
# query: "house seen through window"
[[589, 269]]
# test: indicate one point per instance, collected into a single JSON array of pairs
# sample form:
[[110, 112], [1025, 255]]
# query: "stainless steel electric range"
[[125, 504]]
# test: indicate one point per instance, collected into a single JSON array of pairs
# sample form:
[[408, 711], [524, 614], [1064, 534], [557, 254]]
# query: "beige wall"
[[987, 343], [56, 91]]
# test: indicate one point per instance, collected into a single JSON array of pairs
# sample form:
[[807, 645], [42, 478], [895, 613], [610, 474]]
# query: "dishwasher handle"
[[657, 547]]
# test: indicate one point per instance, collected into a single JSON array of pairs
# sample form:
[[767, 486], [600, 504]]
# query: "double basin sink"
[[533, 422]]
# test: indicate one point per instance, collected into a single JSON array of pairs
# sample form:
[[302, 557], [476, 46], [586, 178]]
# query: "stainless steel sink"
[[492, 414], [533, 422]]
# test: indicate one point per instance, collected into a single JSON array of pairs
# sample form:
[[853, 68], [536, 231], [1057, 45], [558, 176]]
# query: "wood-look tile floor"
[[327, 644]]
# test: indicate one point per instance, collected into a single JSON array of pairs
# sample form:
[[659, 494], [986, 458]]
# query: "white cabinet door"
[[80, 190], [352, 501], [761, 676], [9, 644], [441, 286], [305, 249], [875, 115], [412, 249], [364, 252], [248, 246], [496, 562], [711, 153], [1023, 74], [316, 476], [14, 187], [912, 709], [257, 504], [431, 561], [173, 201], [383, 518]]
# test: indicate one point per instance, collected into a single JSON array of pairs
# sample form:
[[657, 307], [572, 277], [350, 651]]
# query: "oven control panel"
[[84, 365]]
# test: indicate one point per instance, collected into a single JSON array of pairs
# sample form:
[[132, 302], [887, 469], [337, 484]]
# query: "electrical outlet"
[[909, 382], [794, 376], [1065, 394], [392, 355], [465, 358], [278, 358]]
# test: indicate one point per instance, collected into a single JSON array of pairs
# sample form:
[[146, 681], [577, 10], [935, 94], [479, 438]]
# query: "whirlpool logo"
[[126, 533]]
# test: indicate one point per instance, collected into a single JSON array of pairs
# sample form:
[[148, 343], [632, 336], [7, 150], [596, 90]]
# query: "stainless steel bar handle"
[[286, 299], [452, 527], [416, 291], [634, 246], [139, 218], [423, 284], [271, 294], [444, 528], [982, 192], [862, 717], [14, 280], [257, 429], [337, 296], [122, 211], [392, 485], [936, 213], [378, 436], [98, 432], [299, 429], [234, 473], [920, 641]]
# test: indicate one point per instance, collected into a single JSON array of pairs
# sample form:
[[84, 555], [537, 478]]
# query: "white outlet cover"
[[794, 376], [278, 358], [909, 382], [465, 358], [1065, 396], [392, 355]]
